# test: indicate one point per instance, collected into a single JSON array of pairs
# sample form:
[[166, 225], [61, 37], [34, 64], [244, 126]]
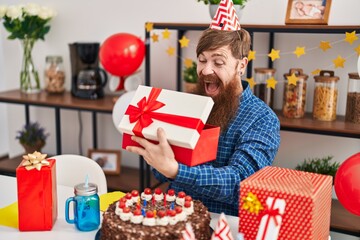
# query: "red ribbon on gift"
[[272, 213], [144, 114]]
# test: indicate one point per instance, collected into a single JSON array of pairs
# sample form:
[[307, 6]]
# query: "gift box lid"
[[287, 180], [181, 115]]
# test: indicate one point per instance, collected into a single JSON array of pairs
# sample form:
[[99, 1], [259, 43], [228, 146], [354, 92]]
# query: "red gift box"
[[280, 203], [181, 115], [37, 197]]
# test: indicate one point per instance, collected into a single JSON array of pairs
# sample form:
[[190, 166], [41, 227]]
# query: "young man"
[[250, 130]]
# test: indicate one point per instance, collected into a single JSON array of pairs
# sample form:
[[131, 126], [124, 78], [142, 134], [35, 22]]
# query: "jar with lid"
[[54, 74], [325, 96], [294, 93], [260, 89], [353, 99]]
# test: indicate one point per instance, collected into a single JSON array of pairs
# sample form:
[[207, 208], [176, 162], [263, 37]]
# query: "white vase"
[[213, 8]]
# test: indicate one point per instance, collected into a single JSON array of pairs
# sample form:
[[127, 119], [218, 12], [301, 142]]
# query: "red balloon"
[[121, 54], [347, 184]]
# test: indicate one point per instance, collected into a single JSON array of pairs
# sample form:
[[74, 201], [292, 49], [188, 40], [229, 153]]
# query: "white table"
[[62, 230]]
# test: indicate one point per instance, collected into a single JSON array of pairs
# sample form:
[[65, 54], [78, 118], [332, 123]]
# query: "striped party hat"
[[225, 17]]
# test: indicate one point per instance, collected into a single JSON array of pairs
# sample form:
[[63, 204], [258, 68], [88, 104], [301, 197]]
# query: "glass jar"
[[260, 89], [353, 99], [325, 96], [54, 74], [294, 94]]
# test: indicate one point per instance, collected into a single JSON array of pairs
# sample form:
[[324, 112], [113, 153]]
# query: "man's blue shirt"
[[250, 143]]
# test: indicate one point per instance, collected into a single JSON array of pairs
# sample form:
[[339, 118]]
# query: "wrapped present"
[[280, 203], [36, 190], [181, 115]]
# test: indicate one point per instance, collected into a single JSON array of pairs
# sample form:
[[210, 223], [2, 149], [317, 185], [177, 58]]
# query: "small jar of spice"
[[353, 99], [260, 89], [325, 96], [294, 93], [54, 74]]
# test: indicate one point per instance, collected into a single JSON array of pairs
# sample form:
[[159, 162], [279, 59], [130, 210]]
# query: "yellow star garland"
[[149, 26], [170, 51], [251, 55], [299, 51], [166, 34], [350, 37], [155, 37], [271, 82], [274, 54], [316, 72], [188, 62], [357, 49], [252, 203], [292, 79], [339, 62], [184, 42], [324, 45], [251, 82]]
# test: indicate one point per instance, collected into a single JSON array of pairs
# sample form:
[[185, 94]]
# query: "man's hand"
[[159, 156]]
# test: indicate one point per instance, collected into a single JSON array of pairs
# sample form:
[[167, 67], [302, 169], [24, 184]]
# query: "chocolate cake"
[[154, 216]]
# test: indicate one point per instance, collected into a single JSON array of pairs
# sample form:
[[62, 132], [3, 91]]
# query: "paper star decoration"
[[339, 62], [188, 233], [271, 82], [299, 51], [166, 34], [188, 62], [155, 37], [251, 55], [184, 42], [170, 51], [222, 230], [292, 79], [357, 50], [325, 45], [251, 82], [149, 26], [316, 72], [274, 54], [351, 37], [252, 203]]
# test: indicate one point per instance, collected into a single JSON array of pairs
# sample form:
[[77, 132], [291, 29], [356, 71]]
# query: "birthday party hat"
[[222, 230], [225, 17]]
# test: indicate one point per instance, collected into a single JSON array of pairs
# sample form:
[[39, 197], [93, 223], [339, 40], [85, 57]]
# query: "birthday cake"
[[155, 215]]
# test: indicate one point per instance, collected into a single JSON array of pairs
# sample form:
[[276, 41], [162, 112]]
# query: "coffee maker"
[[88, 79]]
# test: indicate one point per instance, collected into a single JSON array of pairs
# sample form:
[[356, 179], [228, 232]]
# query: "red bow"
[[144, 114]]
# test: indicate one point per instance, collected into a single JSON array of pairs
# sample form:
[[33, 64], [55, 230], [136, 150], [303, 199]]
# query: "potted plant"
[[319, 165], [32, 137], [213, 5], [190, 77]]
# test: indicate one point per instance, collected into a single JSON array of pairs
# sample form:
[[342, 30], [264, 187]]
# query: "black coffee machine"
[[88, 80]]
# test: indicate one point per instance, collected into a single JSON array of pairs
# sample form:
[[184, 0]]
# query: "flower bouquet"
[[27, 23]]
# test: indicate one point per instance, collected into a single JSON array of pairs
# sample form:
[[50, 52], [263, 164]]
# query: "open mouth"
[[212, 88]]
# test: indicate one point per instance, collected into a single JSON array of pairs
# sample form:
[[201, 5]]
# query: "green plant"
[[31, 134], [319, 165], [236, 2], [190, 74]]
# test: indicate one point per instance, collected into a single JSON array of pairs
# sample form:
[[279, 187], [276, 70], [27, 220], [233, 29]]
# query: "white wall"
[[95, 20]]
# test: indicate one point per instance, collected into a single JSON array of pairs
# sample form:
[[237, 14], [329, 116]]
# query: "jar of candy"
[[54, 74], [294, 93], [353, 99], [325, 96], [260, 89]]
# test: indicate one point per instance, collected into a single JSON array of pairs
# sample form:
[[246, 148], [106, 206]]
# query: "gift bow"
[[35, 160], [272, 213], [144, 114]]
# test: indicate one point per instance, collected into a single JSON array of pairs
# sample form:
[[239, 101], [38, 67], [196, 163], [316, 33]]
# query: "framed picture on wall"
[[308, 12], [109, 160]]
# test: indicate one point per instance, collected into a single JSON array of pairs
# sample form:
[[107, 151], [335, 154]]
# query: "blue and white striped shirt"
[[249, 144]]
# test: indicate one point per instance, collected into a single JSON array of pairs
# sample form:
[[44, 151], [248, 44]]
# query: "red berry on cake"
[[137, 212], [135, 193], [123, 199], [147, 191], [187, 204], [126, 209], [171, 213], [128, 196], [171, 192], [161, 213], [122, 204], [158, 191], [181, 194], [149, 214], [178, 209], [188, 198]]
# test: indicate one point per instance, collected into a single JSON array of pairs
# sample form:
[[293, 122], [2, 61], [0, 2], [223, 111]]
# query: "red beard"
[[226, 102]]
